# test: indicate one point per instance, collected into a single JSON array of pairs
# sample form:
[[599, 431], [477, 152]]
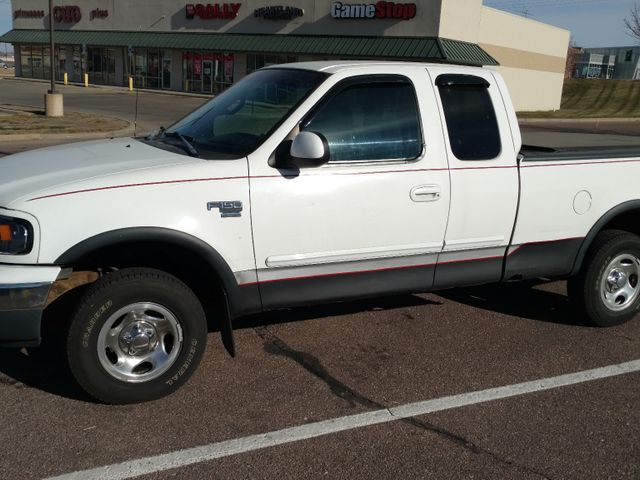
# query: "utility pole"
[[51, 50], [53, 104]]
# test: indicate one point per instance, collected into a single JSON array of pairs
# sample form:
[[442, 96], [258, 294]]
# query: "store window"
[[206, 72], [46, 62], [151, 68], [75, 67], [256, 62], [61, 62], [25, 61], [35, 62], [101, 65], [37, 65]]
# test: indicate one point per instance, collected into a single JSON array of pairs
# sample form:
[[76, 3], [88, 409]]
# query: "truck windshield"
[[237, 121]]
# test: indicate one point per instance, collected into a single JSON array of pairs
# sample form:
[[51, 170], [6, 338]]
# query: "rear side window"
[[371, 120], [471, 118]]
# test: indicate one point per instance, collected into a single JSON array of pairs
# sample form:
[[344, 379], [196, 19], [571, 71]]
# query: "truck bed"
[[543, 154]]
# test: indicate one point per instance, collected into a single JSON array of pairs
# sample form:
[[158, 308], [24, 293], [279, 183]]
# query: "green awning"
[[401, 48]]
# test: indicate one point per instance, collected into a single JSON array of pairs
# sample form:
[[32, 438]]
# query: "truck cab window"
[[372, 121], [470, 116]]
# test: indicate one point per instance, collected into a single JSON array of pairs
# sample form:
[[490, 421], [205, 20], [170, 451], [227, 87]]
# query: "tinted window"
[[377, 120], [471, 121]]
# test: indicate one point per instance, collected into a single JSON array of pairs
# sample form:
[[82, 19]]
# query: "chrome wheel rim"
[[619, 286], [139, 342]]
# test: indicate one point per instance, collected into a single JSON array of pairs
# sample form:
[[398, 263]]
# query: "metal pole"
[[51, 52]]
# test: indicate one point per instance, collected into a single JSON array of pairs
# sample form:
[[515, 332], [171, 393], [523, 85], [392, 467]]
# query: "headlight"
[[16, 236]]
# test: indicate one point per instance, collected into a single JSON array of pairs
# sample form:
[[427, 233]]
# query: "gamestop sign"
[[380, 10]]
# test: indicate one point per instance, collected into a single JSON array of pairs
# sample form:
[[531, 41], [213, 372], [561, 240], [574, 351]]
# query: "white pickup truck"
[[304, 183]]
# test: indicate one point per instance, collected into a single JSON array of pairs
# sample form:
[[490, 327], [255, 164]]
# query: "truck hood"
[[35, 171]]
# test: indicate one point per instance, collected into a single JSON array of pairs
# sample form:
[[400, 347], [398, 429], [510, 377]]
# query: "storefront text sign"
[[224, 11], [278, 12], [380, 10], [28, 13], [98, 13], [67, 14]]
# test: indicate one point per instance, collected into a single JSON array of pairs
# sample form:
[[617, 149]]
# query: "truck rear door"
[[482, 158]]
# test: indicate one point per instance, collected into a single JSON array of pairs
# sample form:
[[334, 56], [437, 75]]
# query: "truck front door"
[[372, 220]]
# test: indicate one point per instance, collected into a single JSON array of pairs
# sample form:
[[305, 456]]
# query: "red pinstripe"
[[214, 179]]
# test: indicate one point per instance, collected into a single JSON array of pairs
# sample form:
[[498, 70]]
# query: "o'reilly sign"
[[380, 10]]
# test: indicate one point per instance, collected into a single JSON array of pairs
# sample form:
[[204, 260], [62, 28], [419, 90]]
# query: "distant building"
[[573, 57], [616, 63]]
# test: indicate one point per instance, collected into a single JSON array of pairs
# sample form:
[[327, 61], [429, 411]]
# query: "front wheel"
[[137, 335], [607, 291]]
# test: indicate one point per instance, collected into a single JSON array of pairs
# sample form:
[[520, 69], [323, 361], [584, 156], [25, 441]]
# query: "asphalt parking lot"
[[303, 366], [331, 392]]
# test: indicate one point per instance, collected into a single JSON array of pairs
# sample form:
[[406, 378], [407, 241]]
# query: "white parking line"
[[189, 456]]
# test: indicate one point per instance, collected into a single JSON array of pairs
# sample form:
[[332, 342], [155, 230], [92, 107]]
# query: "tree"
[[632, 22]]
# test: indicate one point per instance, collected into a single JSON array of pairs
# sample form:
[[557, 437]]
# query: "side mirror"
[[308, 149]]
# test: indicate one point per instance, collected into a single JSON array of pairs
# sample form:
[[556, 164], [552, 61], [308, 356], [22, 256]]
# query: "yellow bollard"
[[186, 85], [66, 78], [130, 84], [86, 79]]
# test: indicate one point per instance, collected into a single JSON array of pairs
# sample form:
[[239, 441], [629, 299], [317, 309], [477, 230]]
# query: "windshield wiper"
[[190, 149]]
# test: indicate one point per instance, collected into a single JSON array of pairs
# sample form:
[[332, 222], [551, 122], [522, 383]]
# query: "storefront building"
[[206, 47]]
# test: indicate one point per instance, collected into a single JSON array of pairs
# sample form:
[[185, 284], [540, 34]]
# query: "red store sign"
[[67, 14], [198, 57], [215, 11]]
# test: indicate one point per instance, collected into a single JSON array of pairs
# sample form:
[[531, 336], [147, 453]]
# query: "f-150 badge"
[[227, 209]]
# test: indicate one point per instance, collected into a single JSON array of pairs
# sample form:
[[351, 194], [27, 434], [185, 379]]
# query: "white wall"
[[532, 57], [533, 90]]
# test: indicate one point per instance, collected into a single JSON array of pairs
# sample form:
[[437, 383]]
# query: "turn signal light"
[[5, 233], [16, 236]]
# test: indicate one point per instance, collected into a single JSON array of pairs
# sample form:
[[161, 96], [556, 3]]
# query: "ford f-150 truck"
[[303, 183]]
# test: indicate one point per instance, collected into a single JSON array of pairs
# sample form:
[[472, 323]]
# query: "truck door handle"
[[425, 193]]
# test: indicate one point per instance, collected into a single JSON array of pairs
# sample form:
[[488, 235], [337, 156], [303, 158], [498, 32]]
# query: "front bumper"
[[23, 296]]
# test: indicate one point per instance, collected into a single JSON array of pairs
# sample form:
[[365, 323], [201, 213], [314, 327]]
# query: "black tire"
[[587, 290], [161, 310]]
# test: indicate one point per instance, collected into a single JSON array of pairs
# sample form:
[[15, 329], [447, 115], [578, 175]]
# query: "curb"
[[113, 88], [124, 132]]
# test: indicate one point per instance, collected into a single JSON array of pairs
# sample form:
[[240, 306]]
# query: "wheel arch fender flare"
[[610, 215], [239, 301]]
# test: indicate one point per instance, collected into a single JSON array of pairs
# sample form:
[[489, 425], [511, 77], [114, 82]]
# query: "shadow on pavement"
[[45, 368], [522, 300], [331, 310]]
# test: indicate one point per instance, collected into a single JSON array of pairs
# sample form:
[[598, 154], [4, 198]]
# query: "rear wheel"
[[137, 335], [607, 291]]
